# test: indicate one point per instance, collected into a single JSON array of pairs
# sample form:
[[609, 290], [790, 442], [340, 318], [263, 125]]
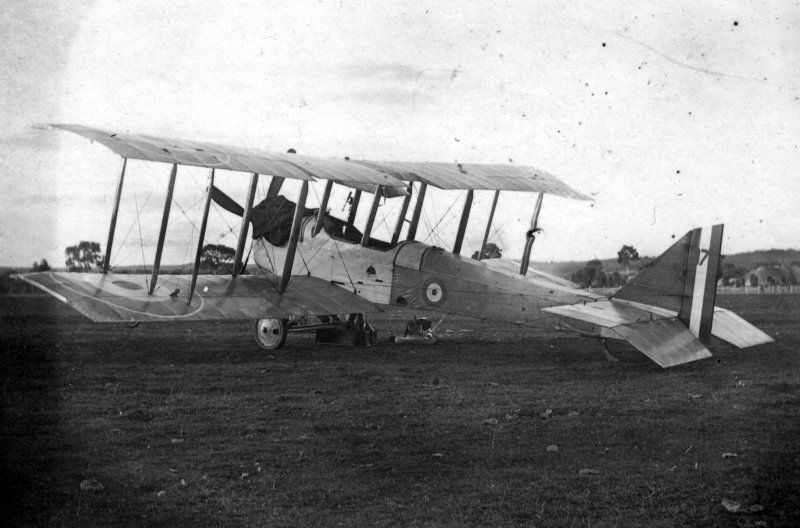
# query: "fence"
[[774, 288], [729, 290]]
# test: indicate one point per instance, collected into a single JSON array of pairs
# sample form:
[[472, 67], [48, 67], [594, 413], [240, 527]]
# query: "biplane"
[[314, 271]]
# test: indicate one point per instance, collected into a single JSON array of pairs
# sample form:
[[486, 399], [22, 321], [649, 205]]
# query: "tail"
[[668, 310], [683, 280]]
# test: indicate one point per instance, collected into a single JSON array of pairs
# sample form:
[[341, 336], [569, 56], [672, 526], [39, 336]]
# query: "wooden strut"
[[322, 206], [351, 218], [531, 236], [488, 225], [294, 236], [114, 213], [462, 226], [398, 228], [275, 186], [412, 228], [376, 201], [201, 237], [163, 232], [237, 260]]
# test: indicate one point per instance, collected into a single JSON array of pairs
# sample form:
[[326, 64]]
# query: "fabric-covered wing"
[[655, 332], [478, 177], [667, 342], [118, 297], [201, 154], [729, 327]]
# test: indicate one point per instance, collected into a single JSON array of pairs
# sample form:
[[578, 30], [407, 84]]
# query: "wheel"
[[271, 333]]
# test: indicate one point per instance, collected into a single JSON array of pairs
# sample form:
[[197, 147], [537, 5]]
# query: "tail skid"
[[668, 310]]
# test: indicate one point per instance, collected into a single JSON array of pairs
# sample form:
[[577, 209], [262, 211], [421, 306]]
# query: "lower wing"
[[118, 297]]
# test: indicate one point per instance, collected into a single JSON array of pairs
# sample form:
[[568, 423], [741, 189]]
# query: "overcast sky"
[[671, 115]]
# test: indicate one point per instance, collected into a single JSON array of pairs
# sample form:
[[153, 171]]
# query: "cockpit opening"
[[272, 220]]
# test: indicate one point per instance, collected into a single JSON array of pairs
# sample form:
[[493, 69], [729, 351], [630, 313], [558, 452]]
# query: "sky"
[[671, 115]]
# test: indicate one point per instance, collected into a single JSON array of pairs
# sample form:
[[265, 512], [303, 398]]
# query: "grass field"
[[191, 425]]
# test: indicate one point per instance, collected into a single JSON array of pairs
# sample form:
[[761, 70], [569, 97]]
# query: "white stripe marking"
[[700, 275]]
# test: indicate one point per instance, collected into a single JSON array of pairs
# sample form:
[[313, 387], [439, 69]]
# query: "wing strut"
[[293, 237], [376, 201], [351, 218], [488, 224], [402, 218], [412, 229], [112, 228], [201, 237], [531, 236], [275, 186], [237, 260], [462, 226], [162, 234], [322, 206]]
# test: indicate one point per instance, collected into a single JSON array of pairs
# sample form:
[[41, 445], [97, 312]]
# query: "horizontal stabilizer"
[[608, 313], [116, 297], [731, 328], [667, 341], [656, 332]]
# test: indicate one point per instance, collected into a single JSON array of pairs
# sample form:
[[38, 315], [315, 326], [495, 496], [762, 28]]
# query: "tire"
[[270, 334]]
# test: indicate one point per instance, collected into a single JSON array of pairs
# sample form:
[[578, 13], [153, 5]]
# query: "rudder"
[[683, 279]]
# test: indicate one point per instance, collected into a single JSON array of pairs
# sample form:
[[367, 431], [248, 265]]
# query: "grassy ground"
[[191, 425]]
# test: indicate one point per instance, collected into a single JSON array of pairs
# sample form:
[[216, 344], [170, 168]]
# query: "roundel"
[[434, 293]]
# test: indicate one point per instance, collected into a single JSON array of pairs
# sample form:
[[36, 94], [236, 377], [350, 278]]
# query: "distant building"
[[773, 275]]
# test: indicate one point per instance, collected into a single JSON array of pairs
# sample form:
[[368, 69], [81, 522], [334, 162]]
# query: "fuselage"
[[420, 276]]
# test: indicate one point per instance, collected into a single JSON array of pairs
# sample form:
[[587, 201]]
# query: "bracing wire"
[[133, 223], [339, 252], [443, 217], [141, 240]]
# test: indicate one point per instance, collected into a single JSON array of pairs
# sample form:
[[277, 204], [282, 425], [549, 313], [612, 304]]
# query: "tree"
[[730, 273], [591, 275], [490, 251], [41, 266], [218, 257], [83, 256], [626, 255]]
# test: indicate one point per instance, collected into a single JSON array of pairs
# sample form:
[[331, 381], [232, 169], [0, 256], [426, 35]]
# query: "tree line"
[[87, 255]]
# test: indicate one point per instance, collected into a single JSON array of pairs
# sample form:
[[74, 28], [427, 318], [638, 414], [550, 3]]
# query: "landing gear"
[[356, 331], [271, 333], [352, 329]]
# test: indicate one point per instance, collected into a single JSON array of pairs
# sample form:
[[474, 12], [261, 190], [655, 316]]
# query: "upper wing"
[[120, 297], [363, 175], [201, 154], [473, 176]]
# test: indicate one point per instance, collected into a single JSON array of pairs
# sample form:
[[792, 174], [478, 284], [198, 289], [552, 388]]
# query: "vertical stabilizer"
[[683, 279], [667, 311]]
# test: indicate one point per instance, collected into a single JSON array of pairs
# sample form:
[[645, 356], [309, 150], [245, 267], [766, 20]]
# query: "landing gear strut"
[[352, 329], [607, 351]]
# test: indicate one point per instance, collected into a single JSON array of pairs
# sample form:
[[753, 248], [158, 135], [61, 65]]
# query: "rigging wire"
[[339, 252], [443, 217], [125, 239], [141, 241]]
